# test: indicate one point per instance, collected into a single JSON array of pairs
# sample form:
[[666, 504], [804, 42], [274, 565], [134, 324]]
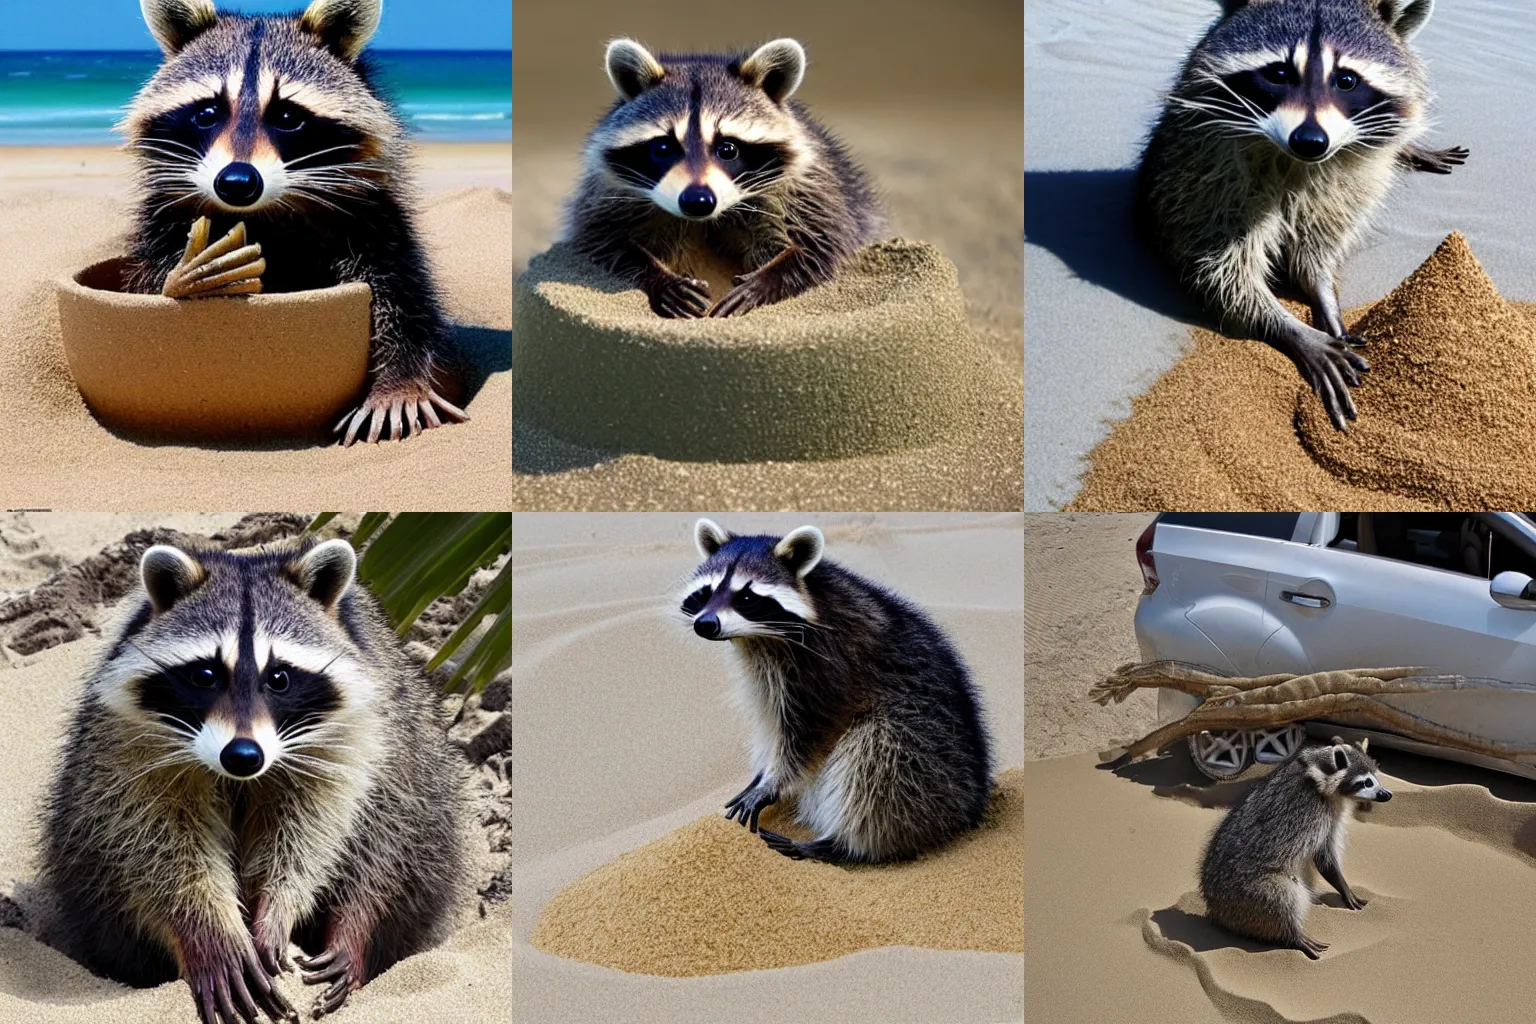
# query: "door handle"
[[1305, 600]]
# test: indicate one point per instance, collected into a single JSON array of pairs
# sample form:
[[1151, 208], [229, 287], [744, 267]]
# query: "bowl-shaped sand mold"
[[878, 360], [251, 368]]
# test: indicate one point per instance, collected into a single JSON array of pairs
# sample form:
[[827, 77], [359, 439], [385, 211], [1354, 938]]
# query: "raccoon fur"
[[276, 122], [253, 759], [1291, 820], [705, 180], [1282, 134], [861, 709]]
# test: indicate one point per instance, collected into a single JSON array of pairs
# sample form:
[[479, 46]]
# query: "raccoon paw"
[[677, 297], [270, 937], [1353, 902], [752, 290], [341, 968], [747, 805], [782, 844], [403, 405], [227, 267], [229, 986]]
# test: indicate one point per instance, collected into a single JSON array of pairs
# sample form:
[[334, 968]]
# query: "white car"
[[1251, 594]]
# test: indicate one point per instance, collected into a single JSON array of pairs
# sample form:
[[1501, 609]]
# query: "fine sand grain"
[[465, 980], [1447, 413], [675, 906], [624, 737], [62, 210], [880, 359], [1113, 920]]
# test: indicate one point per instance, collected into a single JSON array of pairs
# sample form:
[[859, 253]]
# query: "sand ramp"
[[711, 898], [1445, 415]]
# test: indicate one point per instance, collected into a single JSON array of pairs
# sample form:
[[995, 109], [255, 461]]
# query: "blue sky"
[[118, 25]]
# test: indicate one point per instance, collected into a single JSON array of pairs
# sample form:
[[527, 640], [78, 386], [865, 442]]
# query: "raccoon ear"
[[631, 68], [175, 23], [344, 26], [1365, 742], [169, 574], [325, 571], [709, 537], [800, 550], [1405, 17], [777, 68], [1340, 761]]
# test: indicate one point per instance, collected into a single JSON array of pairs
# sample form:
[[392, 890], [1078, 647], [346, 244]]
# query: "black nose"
[[1309, 141], [238, 184], [1383, 796], [241, 757], [697, 201], [707, 626]]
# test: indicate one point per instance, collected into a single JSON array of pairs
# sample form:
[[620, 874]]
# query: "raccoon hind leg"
[[1271, 908], [827, 848]]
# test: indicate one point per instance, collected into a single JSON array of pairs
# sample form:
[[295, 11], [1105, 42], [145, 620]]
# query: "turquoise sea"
[[70, 98]]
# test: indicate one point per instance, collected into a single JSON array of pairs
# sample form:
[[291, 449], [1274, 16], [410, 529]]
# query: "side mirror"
[[1514, 590]]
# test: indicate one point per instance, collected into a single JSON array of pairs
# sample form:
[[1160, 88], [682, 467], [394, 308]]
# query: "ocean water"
[[68, 98]]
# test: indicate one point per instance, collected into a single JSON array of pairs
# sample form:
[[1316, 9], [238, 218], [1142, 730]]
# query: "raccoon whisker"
[[315, 197], [191, 154], [290, 164], [167, 205]]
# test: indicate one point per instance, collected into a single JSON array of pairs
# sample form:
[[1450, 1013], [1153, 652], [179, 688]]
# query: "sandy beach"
[[63, 208], [1102, 321], [626, 749], [1114, 923], [466, 980], [942, 146]]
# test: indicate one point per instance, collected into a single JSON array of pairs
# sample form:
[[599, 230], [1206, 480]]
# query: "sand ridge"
[[1446, 413]]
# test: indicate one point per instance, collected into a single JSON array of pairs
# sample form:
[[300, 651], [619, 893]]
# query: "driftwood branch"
[[1254, 703]]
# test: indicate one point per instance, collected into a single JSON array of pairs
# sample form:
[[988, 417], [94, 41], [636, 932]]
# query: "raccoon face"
[[700, 135], [751, 586], [1346, 771], [235, 661], [258, 115], [1314, 80]]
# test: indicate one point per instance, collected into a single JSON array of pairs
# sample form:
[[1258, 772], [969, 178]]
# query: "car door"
[[1346, 609]]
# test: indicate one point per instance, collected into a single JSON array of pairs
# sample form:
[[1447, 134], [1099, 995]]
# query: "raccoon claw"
[[1312, 948], [335, 965], [403, 407], [227, 267], [231, 990], [748, 805], [1331, 368], [1434, 161], [1355, 340], [679, 298], [782, 844], [1354, 902], [748, 294]]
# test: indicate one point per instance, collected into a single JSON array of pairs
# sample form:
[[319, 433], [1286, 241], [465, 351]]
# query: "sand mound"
[[880, 359], [1447, 413], [712, 898]]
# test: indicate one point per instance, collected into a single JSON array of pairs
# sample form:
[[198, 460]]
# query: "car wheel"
[[1223, 754], [1277, 742]]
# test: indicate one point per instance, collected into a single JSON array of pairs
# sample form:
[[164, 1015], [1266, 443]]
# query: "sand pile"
[[879, 359], [712, 898], [1447, 413]]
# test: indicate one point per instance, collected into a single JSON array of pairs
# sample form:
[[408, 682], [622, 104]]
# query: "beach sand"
[[1113, 922], [466, 980], [623, 736], [1104, 322], [65, 207], [944, 146]]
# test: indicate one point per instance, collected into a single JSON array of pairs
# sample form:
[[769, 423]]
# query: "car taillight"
[[1144, 559]]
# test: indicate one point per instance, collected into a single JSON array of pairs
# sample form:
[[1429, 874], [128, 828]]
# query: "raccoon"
[[861, 709], [1279, 138], [253, 759], [276, 122], [706, 180], [1251, 875]]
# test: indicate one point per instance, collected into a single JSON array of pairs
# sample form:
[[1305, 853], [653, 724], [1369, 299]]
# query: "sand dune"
[[70, 208], [623, 735]]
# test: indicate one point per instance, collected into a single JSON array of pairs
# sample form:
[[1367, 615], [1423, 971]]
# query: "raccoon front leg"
[[749, 803], [1233, 282], [829, 850], [789, 273], [408, 331], [1314, 275], [1434, 161], [1327, 864], [228, 982]]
